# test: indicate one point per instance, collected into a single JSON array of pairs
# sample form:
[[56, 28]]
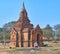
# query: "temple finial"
[[23, 7]]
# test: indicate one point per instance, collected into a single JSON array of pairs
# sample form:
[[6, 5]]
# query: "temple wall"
[[12, 39], [20, 44], [25, 43], [25, 36], [19, 35], [30, 43]]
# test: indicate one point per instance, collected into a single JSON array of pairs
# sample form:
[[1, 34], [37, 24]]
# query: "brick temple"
[[23, 34]]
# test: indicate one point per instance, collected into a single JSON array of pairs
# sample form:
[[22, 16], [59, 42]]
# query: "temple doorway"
[[38, 39]]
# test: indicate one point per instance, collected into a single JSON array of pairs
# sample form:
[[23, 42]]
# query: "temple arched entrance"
[[37, 39]]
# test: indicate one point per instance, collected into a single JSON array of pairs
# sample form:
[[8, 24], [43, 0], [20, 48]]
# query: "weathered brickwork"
[[23, 34]]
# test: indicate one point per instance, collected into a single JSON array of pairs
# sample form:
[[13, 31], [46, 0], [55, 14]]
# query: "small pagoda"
[[23, 34]]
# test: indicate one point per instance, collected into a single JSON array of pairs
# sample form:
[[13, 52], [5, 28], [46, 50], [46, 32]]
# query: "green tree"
[[57, 29], [48, 32], [9, 25], [1, 29]]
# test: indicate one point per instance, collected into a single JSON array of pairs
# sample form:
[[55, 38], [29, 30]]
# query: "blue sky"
[[40, 12]]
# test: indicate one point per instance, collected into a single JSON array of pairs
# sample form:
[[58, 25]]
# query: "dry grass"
[[54, 49]]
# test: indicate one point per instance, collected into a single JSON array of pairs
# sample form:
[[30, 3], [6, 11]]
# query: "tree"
[[6, 30], [9, 25], [1, 29], [48, 32], [57, 30]]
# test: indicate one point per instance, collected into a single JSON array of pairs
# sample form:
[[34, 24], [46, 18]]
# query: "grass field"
[[52, 48]]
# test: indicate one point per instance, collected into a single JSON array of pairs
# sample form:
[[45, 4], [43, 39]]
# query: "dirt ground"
[[52, 48]]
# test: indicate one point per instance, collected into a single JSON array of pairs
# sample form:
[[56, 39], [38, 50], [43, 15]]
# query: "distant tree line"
[[49, 33]]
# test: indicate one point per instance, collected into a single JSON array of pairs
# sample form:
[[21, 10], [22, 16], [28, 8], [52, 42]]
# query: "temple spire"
[[23, 7], [23, 13]]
